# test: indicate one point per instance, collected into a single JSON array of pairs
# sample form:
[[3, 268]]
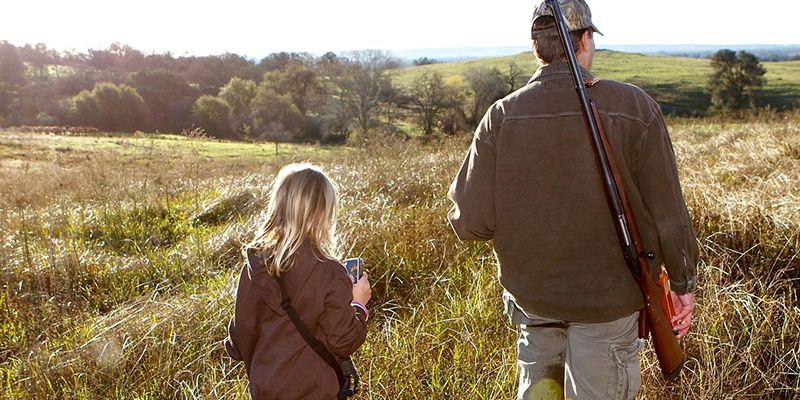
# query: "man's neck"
[[584, 60], [585, 64]]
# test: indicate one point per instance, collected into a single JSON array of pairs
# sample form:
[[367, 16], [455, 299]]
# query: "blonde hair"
[[302, 207]]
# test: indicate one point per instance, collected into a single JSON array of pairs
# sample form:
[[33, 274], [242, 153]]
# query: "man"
[[531, 185]]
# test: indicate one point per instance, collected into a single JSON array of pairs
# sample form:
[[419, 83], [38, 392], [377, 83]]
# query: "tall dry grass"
[[118, 274]]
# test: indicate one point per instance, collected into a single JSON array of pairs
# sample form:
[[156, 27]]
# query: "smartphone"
[[353, 267]]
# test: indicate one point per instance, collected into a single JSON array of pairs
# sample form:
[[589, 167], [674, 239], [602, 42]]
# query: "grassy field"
[[118, 266], [30, 147], [677, 83]]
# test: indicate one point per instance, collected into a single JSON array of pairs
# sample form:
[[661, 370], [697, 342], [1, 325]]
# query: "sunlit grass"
[[37, 146], [118, 273]]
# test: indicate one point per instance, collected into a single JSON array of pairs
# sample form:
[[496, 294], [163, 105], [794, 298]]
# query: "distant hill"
[[456, 53], [677, 83], [765, 52]]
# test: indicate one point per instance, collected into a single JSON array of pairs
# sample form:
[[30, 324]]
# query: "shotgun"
[[669, 354]]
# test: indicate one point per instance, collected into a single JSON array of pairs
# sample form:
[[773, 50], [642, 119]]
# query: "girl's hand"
[[362, 292]]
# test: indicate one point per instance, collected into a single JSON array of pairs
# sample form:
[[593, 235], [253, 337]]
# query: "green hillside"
[[677, 83]]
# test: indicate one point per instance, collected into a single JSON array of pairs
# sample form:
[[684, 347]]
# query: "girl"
[[296, 246]]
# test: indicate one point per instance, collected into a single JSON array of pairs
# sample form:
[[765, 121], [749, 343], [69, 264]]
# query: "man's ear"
[[585, 38]]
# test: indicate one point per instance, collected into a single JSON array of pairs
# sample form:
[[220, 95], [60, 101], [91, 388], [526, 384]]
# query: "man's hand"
[[684, 307]]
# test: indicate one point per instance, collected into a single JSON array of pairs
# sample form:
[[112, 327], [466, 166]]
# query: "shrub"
[[214, 115], [110, 107]]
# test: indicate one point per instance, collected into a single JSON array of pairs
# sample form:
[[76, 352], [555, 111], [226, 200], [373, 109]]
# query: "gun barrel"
[[668, 351]]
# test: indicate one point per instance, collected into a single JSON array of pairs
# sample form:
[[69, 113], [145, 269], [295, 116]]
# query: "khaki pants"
[[568, 360]]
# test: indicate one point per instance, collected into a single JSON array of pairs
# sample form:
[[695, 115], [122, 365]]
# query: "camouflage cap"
[[576, 13]]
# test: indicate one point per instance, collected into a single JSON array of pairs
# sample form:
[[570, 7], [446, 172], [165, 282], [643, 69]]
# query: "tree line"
[[282, 97]]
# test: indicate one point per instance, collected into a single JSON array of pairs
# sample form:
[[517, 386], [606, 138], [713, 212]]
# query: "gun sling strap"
[[309, 338]]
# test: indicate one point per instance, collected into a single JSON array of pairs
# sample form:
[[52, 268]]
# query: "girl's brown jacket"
[[279, 363]]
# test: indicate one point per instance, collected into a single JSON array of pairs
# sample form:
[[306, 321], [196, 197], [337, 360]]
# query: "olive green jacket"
[[530, 184]]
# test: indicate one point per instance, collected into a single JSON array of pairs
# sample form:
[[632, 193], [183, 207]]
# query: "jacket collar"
[[558, 70], [268, 287]]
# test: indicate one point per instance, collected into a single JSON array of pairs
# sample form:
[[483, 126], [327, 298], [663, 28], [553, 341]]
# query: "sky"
[[257, 28]]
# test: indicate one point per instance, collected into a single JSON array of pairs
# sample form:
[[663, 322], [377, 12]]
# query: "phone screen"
[[353, 267]]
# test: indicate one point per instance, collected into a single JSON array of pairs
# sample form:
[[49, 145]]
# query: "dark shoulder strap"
[[309, 338]]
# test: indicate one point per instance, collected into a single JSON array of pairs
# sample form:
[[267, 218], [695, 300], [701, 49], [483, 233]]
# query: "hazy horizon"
[[446, 53], [314, 26]]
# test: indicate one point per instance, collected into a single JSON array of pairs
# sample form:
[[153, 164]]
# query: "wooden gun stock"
[[668, 351]]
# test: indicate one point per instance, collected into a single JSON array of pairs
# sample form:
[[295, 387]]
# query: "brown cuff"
[[684, 287]]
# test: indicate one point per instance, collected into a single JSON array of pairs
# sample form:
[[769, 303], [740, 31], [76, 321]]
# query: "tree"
[[430, 97], [168, 96], [35, 104], [39, 57], [235, 65], [514, 77], [364, 86], [82, 79], [120, 58], [210, 73], [206, 73], [281, 61], [110, 107], [734, 80], [301, 83], [130, 59], [305, 90], [275, 116], [487, 86], [12, 78], [213, 114], [330, 66], [239, 93], [424, 61]]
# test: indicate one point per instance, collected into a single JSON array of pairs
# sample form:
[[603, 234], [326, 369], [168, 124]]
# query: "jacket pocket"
[[515, 315], [627, 377], [230, 347]]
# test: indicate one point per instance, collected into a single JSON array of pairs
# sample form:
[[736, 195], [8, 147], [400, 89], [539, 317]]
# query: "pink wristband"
[[362, 307]]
